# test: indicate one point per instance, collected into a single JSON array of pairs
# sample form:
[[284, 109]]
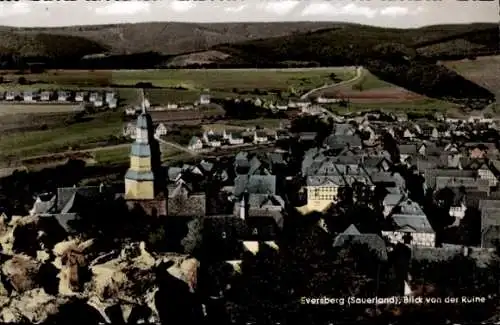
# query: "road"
[[176, 146], [359, 74]]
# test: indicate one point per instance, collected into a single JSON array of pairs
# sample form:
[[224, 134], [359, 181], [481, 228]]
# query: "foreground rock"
[[118, 286]]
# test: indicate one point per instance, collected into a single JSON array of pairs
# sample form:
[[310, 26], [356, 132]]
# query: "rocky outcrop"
[[119, 286]]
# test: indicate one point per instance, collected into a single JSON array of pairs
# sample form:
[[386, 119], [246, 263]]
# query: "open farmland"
[[96, 131], [228, 79], [6, 108], [484, 71]]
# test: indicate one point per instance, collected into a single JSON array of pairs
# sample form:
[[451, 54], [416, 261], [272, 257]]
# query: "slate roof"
[[489, 236], [66, 194], [392, 199], [407, 149], [173, 173], [139, 175], [257, 184], [490, 217], [435, 254], [467, 182], [259, 200], [140, 149], [411, 223], [43, 205], [430, 175], [339, 141], [182, 202], [325, 181], [343, 129]]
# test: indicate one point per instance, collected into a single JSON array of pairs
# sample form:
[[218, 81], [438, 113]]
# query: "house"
[[45, 96], [80, 96], [10, 95], [281, 106], [183, 202], [258, 102], [323, 99], [340, 141], [93, 96], [204, 99], [130, 111], [254, 184], [260, 205], [161, 130], [485, 172], [414, 230], [235, 138], [62, 96], [29, 96], [282, 135], [260, 137], [312, 110], [129, 130], [98, 102], [211, 139], [195, 143], [110, 97], [323, 190], [112, 103], [172, 106], [391, 200], [352, 236]]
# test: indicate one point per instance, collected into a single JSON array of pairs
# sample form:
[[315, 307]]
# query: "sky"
[[388, 13]]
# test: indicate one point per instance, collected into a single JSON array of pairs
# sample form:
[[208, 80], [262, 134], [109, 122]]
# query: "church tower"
[[141, 179]]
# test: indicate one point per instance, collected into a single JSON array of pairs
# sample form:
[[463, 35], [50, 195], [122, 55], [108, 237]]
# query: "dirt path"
[[359, 74]]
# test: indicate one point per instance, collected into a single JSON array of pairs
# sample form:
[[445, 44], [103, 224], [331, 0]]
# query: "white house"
[[10, 95], [172, 106], [161, 130], [326, 100], [62, 96], [260, 137], [281, 106], [195, 144], [98, 102], [485, 173], [414, 230], [204, 99], [458, 210], [79, 96], [129, 130], [257, 102], [112, 103], [45, 96], [212, 139], [28, 96], [93, 96], [109, 97], [130, 111]]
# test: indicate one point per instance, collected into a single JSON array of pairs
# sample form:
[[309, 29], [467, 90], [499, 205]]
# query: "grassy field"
[[226, 80], [122, 154], [369, 81], [423, 106], [31, 143], [37, 108]]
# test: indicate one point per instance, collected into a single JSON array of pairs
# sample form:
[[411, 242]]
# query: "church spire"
[[143, 101]]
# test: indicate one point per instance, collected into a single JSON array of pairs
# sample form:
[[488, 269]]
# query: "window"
[[255, 231], [223, 235]]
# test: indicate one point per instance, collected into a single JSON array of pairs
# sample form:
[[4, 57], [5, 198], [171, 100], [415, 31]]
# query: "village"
[[428, 185]]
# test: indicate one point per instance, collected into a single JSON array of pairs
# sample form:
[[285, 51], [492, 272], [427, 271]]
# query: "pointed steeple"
[[143, 102]]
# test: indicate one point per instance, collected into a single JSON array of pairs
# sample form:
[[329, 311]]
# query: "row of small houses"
[[97, 98], [305, 105], [215, 140]]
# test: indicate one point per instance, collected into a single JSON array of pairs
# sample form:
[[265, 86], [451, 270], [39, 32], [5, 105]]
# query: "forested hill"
[[405, 57]]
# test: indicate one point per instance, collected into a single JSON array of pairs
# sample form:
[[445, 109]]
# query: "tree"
[[193, 239]]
